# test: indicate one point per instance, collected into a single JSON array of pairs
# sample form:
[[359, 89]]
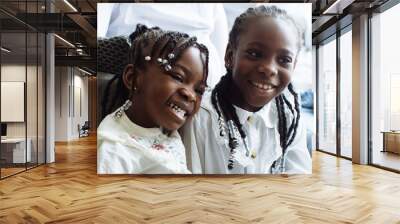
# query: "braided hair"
[[224, 107], [153, 42]]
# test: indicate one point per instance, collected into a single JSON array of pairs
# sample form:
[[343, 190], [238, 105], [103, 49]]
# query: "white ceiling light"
[[86, 72], [70, 5], [5, 50], [79, 51], [338, 6], [65, 41]]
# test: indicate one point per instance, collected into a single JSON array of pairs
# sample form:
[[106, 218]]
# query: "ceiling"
[[76, 23]]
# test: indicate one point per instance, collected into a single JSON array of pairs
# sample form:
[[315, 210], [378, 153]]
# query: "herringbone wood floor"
[[70, 191]]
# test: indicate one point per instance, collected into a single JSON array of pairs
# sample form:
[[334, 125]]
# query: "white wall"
[[16, 73], [71, 87], [80, 111], [82, 83], [33, 126], [61, 103]]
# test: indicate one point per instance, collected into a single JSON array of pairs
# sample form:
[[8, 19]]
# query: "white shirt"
[[208, 153], [126, 148]]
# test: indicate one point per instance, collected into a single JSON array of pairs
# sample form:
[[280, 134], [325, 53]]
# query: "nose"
[[268, 67], [188, 94]]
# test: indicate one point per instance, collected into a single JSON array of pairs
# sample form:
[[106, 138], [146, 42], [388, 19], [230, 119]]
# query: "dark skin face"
[[166, 99], [262, 62]]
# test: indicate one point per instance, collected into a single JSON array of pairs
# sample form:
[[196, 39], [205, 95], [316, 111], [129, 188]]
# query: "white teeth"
[[181, 114], [262, 86], [178, 111]]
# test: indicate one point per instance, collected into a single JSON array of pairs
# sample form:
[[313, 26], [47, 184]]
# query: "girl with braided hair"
[[250, 123], [162, 87]]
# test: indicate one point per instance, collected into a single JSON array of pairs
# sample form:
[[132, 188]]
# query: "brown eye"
[[285, 60], [254, 53], [178, 77]]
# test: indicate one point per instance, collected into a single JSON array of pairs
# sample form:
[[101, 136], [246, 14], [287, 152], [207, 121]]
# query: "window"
[[346, 94], [385, 89], [23, 76], [327, 97]]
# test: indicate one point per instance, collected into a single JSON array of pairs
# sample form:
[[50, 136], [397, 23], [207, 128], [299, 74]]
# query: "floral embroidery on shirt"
[[158, 146], [162, 143]]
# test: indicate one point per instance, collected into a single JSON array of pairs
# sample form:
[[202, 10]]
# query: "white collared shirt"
[[126, 148], [208, 153]]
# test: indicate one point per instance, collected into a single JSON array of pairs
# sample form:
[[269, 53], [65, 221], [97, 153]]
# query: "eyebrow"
[[286, 51], [186, 70], [283, 50]]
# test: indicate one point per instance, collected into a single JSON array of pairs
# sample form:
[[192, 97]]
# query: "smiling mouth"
[[262, 86], [179, 112]]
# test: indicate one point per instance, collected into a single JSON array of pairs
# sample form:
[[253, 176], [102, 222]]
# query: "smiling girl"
[[249, 123], [162, 88]]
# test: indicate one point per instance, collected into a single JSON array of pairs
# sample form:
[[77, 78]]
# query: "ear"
[[229, 52], [131, 77]]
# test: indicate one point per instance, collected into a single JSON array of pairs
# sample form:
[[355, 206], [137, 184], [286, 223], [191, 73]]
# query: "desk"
[[15, 148], [391, 141]]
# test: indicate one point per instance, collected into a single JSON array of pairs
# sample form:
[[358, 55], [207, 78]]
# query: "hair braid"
[[297, 108], [152, 42], [289, 105], [227, 112], [204, 49], [282, 122], [179, 49], [162, 43]]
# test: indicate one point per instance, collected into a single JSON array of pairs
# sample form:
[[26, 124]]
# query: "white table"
[[17, 146]]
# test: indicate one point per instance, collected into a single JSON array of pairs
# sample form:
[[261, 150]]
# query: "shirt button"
[[253, 154], [249, 119]]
